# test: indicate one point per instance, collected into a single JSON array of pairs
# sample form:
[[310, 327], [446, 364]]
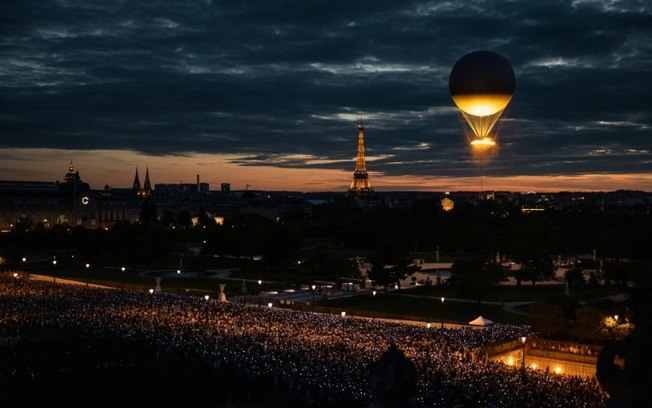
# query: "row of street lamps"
[[260, 282], [87, 265]]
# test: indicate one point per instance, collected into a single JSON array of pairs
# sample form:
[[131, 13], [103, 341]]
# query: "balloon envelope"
[[481, 84]]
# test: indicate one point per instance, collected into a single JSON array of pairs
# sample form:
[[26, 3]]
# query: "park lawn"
[[114, 277], [393, 305], [525, 293], [281, 278]]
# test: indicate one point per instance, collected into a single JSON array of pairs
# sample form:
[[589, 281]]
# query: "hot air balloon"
[[481, 84]]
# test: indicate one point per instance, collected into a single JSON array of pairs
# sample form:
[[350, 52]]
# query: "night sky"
[[269, 93]]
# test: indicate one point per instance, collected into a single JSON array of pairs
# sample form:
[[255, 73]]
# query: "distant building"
[[46, 204], [447, 204], [360, 185]]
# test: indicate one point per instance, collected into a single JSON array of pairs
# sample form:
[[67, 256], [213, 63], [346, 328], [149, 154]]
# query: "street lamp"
[[313, 287], [24, 261], [54, 271], [442, 312], [123, 277], [151, 298], [523, 339], [614, 330], [87, 277], [260, 282]]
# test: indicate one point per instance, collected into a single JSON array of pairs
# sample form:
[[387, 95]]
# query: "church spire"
[[360, 184], [136, 187], [147, 187]]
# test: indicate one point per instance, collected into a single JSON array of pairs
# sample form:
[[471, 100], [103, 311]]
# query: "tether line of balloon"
[[469, 132]]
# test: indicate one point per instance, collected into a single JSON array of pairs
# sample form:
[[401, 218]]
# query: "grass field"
[[524, 293], [393, 305]]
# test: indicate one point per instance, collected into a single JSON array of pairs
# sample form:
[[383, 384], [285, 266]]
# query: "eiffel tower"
[[360, 184]]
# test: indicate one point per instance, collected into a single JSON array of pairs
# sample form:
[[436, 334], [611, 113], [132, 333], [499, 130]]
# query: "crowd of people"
[[321, 356]]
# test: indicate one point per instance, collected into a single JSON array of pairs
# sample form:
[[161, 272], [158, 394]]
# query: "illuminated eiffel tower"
[[360, 184]]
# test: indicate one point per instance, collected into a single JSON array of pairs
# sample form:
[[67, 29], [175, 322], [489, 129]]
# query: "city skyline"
[[270, 94]]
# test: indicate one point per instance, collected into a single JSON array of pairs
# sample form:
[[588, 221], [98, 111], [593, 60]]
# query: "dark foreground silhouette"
[[630, 386]]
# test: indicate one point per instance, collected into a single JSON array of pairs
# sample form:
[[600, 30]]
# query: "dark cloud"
[[269, 80]]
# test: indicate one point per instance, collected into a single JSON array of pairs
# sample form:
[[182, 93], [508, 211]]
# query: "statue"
[[393, 380], [222, 297]]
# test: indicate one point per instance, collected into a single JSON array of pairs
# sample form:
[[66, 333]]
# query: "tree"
[[476, 274], [391, 263], [574, 275], [184, 219], [167, 219], [282, 245], [331, 264], [23, 224], [536, 268], [204, 218], [148, 216], [618, 272], [587, 324], [548, 319]]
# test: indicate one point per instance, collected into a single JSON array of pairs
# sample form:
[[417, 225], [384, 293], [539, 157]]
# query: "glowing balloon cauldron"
[[481, 84]]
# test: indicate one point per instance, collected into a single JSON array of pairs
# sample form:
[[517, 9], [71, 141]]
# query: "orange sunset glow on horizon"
[[117, 168]]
